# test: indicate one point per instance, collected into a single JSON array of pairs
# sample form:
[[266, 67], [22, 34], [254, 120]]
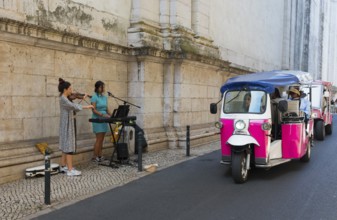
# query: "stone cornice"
[[150, 51], [50, 38], [31, 30]]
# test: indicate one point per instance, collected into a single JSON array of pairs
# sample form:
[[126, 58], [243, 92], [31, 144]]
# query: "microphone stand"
[[124, 101]]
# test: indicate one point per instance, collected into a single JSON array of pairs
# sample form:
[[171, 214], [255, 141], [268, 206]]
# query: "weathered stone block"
[[135, 89], [153, 105], [66, 65], [83, 86], [5, 57], [212, 117], [182, 105], [133, 71], [186, 91], [195, 91], [6, 107], [52, 86], [153, 120], [197, 104], [57, 105], [33, 107], [118, 89], [6, 83], [27, 59], [153, 72], [213, 92], [48, 106], [50, 126], [11, 130], [32, 128], [121, 71], [181, 13], [104, 69], [29, 85], [204, 117], [177, 90], [182, 119], [153, 89], [197, 118], [216, 78]]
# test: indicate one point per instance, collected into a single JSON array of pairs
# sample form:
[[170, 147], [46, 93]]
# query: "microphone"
[[110, 94]]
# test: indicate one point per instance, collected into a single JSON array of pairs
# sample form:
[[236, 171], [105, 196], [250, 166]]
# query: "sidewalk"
[[24, 198]]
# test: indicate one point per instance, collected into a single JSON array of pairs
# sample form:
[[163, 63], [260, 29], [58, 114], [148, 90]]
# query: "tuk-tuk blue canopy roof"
[[267, 81]]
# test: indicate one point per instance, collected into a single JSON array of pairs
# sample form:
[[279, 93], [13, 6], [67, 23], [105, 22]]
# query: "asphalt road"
[[203, 189]]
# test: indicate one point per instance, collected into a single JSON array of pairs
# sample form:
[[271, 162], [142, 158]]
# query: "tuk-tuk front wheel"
[[328, 129], [307, 155], [239, 167]]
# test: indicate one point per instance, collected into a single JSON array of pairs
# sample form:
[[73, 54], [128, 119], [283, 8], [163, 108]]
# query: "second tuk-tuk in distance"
[[260, 125], [321, 100]]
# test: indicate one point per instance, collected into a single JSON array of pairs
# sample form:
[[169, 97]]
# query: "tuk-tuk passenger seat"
[[293, 113]]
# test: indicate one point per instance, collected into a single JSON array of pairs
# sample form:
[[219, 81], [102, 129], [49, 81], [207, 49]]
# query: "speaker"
[[122, 151]]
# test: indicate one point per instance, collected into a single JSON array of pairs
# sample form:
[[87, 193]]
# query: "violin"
[[77, 95]]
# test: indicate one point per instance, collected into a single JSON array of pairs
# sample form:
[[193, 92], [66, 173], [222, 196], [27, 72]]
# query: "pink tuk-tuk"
[[321, 108], [259, 125]]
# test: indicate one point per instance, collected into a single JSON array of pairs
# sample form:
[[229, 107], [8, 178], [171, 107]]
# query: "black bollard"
[[188, 141], [140, 150], [47, 178]]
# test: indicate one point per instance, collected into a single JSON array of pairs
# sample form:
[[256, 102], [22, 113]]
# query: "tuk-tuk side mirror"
[[213, 108], [283, 106]]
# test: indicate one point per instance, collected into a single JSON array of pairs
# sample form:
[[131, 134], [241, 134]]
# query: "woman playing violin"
[[100, 103], [67, 128]]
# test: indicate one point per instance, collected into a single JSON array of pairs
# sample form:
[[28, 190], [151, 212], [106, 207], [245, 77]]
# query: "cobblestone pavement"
[[24, 198]]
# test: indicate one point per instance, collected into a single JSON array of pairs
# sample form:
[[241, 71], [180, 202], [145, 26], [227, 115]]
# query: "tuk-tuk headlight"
[[314, 115], [218, 124], [240, 125], [266, 126]]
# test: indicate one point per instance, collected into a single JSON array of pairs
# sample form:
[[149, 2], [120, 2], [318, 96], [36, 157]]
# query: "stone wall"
[[173, 90]]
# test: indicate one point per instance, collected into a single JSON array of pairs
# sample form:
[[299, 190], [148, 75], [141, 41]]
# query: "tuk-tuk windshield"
[[245, 102]]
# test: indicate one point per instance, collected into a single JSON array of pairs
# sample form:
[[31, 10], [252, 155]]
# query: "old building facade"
[[168, 56]]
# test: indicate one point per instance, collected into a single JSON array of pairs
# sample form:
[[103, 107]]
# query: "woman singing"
[[100, 103], [67, 131]]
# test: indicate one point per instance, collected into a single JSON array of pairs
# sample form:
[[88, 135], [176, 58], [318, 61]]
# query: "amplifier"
[[122, 151]]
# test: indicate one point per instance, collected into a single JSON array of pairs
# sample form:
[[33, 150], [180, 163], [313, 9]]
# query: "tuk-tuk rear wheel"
[[239, 167], [319, 130]]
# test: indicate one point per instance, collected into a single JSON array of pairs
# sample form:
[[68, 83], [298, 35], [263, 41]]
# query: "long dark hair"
[[63, 85], [98, 84]]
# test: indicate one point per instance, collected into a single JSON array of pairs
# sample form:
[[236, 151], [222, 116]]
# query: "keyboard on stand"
[[120, 147]]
